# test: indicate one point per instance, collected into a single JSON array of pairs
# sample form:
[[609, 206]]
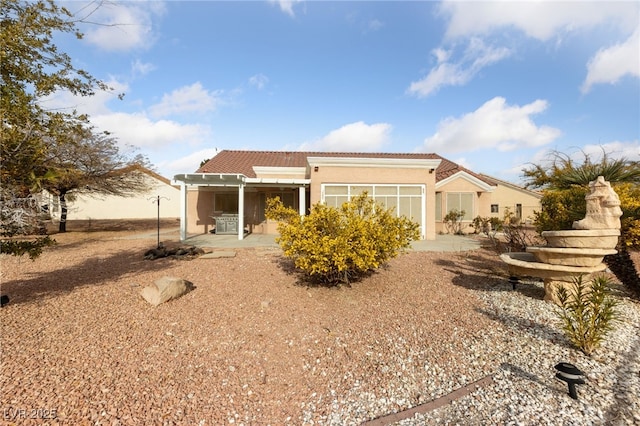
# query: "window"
[[226, 202], [287, 197], [405, 200], [461, 201], [494, 208], [335, 195]]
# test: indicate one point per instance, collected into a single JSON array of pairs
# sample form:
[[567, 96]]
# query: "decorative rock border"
[[431, 405]]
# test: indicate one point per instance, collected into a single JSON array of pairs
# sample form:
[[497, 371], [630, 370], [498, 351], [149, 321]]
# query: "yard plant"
[[587, 312], [453, 221], [334, 245]]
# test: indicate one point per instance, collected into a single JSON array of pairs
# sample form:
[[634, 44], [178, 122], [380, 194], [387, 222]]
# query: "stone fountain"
[[576, 252]]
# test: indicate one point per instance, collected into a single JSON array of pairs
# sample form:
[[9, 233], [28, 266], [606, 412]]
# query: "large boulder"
[[166, 289]]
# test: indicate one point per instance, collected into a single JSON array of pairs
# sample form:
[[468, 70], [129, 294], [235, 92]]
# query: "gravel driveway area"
[[253, 344]]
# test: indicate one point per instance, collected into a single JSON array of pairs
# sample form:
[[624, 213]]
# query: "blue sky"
[[493, 86]]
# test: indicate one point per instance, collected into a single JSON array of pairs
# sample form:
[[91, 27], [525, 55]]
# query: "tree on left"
[[32, 68]]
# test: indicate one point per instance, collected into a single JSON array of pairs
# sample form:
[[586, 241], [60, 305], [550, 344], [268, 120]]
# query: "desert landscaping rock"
[[219, 254], [165, 289], [253, 345]]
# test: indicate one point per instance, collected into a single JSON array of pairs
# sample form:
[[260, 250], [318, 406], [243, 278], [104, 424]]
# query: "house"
[[521, 202], [421, 186], [112, 207]]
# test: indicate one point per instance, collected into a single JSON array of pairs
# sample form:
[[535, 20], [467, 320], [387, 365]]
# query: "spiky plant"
[[587, 312]]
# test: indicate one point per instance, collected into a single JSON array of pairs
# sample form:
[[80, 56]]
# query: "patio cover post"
[[302, 202], [183, 211], [241, 211]]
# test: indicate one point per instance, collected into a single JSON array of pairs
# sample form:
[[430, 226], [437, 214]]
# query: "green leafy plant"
[[335, 245], [587, 312], [453, 221], [488, 226]]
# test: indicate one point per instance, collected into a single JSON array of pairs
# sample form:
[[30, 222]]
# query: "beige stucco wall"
[[481, 201], [507, 197], [200, 201], [141, 206], [378, 175], [201, 207]]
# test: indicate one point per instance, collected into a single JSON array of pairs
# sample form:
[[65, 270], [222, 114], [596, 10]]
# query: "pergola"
[[236, 180]]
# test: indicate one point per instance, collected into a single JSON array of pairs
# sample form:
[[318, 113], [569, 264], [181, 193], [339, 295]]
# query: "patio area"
[[442, 243]]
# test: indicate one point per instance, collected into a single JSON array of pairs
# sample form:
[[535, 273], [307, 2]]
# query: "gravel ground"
[[252, 344]]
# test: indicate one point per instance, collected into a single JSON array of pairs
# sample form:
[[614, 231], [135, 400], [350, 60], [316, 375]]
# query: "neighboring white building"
[[140, 206]]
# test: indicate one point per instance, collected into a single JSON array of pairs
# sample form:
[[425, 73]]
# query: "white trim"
[[302, 201], [400, 163], [269, 170], [241, 212], [231, 179], [183, 211], [210, 179], [469, 178], [278, 181]]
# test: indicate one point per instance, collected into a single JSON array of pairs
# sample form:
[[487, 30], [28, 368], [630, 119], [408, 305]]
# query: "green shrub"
[[336, 245], [453, 221], [587, 312]]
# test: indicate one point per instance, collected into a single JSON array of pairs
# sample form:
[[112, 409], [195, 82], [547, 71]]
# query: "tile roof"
[[236, 161]]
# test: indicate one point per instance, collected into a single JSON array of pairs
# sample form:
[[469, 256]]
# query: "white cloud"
[[544, 21], [477, 55], [629, 150], [495, 125], [120, 26], [374, 25], [187, 164], [358, 136], [139, 130], [286, 6], [185, 100], [91, 105], [541, 20], [139, 68], [462, 161], [609, 65], [259, 81]]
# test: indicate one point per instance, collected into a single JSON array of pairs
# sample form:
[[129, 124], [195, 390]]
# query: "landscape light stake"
[[569, 373], [157, 200], [513, 280]]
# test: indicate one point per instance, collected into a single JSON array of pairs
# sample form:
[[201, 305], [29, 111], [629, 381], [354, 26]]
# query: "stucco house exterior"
[[520, 201], [111, 207], [421, 186]]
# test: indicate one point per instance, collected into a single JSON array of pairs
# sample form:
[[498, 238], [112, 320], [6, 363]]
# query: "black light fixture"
[[513, 280], [315, 169], [570, 374]]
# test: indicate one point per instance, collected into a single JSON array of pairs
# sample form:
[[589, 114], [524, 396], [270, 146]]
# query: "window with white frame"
[[405, 200], [461, 201]]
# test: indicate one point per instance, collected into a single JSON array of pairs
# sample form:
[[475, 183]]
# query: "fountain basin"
[[582, 238], [525, 265], [579, 257]]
